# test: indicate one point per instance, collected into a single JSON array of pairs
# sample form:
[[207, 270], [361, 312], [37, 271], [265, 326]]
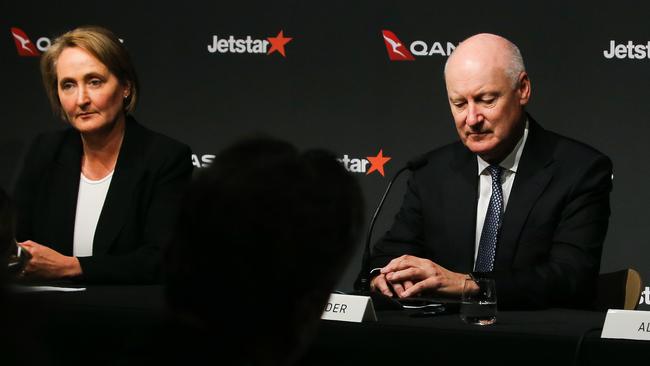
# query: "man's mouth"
[[478, 133]]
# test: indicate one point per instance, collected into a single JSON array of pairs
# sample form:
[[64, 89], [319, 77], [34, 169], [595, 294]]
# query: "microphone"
[[362, 284]]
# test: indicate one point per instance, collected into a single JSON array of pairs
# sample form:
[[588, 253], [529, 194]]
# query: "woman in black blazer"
[[95, 202]]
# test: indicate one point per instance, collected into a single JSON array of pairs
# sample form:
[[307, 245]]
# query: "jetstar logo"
[[397, 50], [629, 50], [365, 165], [231, 44], [25, 46], [645, 296]]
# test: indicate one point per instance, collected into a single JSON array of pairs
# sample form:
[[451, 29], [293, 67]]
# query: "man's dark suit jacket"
[[139, 212], [550, 244]]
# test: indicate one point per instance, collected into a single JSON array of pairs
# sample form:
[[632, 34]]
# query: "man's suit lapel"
[[121, 193], [533, 175], [460, 207]]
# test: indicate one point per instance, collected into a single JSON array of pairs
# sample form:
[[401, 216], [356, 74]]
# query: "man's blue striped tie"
[[490, 233]]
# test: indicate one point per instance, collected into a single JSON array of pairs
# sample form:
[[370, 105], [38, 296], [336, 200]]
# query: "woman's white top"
[[92, 194]]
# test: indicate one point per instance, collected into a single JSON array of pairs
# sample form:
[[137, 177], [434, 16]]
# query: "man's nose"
[[474, 116]]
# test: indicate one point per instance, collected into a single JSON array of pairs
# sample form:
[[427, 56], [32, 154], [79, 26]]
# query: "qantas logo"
[[249, 44], [25, 46], [202, 161], [397, 50], [365, 165]]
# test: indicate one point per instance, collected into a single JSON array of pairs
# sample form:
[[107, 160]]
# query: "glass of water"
[[478, 304]]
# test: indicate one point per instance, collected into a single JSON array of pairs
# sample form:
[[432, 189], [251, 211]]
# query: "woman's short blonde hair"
[[103, 45]]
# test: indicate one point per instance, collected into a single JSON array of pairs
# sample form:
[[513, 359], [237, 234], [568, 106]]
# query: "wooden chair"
[[619, 290]]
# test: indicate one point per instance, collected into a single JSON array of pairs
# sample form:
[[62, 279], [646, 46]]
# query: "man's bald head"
[[488, 88], [489, 49]]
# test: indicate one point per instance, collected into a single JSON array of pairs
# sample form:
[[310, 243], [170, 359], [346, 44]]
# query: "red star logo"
[[377, 162], [277, 43]]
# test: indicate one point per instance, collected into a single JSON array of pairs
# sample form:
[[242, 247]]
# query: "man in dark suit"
[[537, 230]]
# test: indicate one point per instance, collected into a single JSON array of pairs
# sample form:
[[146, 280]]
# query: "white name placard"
[[349, 308], [627, 324]]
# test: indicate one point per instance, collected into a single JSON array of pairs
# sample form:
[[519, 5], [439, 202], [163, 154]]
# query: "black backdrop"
[[337, 89]]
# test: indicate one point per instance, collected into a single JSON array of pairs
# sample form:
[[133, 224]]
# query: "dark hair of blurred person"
[[264, 236]]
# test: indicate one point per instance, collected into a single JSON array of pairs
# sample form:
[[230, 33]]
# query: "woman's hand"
[[48, 264]]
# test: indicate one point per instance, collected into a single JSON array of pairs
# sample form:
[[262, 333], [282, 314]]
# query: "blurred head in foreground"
[[264, 236]]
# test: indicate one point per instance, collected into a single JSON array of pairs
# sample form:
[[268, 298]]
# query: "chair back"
[[619, 290]]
